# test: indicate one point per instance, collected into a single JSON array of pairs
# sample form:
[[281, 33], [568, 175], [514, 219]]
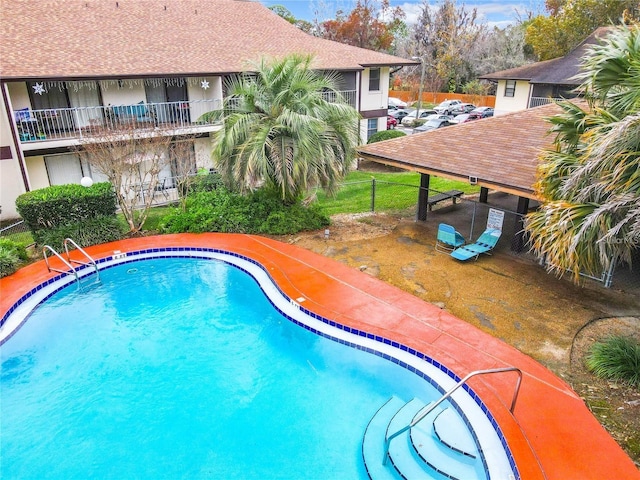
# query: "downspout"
[[16, 142]]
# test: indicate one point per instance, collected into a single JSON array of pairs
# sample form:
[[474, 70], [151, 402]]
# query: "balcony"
[[79, 122], [349, 96], [538, 101], [35, 126]]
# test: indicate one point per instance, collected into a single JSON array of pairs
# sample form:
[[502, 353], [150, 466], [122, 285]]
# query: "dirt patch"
[[508, 296]]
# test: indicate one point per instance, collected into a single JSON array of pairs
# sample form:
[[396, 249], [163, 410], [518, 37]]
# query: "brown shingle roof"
[[558, 71], [120, 38], [502, 152]]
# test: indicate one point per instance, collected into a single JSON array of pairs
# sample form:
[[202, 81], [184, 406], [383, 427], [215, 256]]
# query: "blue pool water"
[[181, 368]]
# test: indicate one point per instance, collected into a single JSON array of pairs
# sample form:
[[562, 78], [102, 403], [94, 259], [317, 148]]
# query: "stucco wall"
[[11, 181], [519, 101], [376, 99]]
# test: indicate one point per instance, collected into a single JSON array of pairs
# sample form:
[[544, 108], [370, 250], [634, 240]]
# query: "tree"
[[499, 49], [590, 183], [571, 21], [442, 38], [283, 12], [182, 158], [363, 27], [131, 158], [280, 130]]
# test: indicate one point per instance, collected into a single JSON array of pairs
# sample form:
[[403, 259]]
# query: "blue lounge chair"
[[448, 239], [484, 244]]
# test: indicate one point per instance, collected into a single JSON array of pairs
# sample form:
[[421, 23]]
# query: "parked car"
[[400, 113], [482, 112], [395, 103], [462, 108], [391, 122], [462, 118], [410, 120], [437, 116], [447, 106], [432, 124]]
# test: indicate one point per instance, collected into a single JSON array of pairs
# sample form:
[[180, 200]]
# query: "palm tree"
[[281, 132], [590, 182]]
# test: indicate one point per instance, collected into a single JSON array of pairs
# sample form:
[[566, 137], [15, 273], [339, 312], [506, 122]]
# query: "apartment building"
[[68, 67]]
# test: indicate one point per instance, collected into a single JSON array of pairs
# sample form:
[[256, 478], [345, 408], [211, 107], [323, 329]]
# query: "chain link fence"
[[465, 213], [468, 216], [18, 232]]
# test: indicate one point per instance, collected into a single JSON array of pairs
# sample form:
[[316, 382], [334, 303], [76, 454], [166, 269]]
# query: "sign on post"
[[495, 219]]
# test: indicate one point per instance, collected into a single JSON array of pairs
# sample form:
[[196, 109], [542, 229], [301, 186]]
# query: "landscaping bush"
[[87, 215], [293, 219], [12, 254], [85, 233], [205, 183], [17, 247], [260, 212], [60, 205], [385, 135], [616, 358]]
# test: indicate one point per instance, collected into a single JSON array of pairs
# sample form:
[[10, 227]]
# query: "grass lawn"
[[394, 191]]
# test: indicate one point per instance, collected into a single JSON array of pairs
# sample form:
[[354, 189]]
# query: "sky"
[[498, 13]]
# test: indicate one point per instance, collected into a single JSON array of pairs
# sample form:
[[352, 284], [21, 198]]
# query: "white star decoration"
[[204, 84], [39, 88]]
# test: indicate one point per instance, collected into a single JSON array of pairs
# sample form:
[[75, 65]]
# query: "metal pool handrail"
[[429, 408], [50, 268], [92, 262], [68, 261]]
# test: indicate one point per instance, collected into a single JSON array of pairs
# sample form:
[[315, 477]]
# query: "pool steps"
[[438, 447]]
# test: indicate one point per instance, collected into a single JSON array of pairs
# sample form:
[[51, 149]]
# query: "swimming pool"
[[198, 409]]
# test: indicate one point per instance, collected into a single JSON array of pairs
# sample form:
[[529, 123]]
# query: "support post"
[[517, 244], [423, 196], [484, 194], [373, 194]]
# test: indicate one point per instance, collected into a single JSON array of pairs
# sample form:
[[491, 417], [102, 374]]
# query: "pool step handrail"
[[68, 262], [429, 408], [91, 262], [71, 271]]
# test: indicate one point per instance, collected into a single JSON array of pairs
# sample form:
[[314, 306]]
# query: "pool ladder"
[[425, 411], [68, 262]]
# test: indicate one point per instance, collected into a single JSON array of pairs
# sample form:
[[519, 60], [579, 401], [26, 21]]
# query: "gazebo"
[[499, 153]]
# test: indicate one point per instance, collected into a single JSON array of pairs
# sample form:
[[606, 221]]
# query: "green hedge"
[[85, 233], [260, 212], [385, 135], [60, 205]]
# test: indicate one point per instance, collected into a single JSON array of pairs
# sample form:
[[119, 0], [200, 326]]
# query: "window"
[[372, 127], [510, 88], [374, 79], [68, 168]]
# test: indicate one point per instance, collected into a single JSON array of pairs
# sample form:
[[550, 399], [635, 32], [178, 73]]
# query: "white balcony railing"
[[77, 122], [537, 101], [71, 123], [349, 96]]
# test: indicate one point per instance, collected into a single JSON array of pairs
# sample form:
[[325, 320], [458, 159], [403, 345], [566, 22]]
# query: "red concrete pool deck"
[[552, 434]]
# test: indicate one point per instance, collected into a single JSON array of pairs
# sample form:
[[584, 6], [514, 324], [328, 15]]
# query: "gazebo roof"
[[501, 152]]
